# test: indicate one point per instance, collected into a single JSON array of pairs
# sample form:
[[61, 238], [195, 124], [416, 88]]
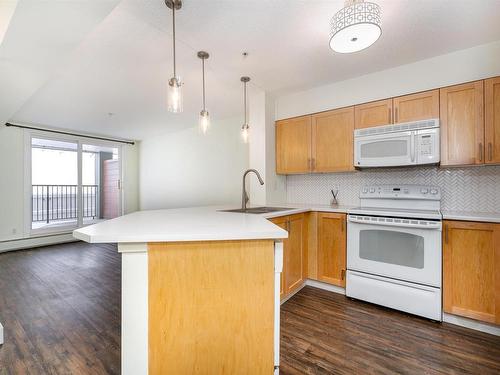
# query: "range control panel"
[[421, 192]]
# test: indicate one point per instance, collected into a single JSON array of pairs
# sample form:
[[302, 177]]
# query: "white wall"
[[186, 168], [12, 204], [457, 67], [11, 183], [262, 153]]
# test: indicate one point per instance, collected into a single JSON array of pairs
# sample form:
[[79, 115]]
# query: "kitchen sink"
[[258, 210]]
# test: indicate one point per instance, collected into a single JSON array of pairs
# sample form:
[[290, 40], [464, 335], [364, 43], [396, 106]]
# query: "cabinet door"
[[492, 120], [420, 106], [283, 223], [462, 124], [332, 248], [471, 270], [293, 145], [332, 140], [373, 114], [295, 254]]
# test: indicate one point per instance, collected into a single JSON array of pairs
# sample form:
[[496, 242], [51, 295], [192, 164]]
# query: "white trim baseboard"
[[472, 324], [26, 243], [325, 286]]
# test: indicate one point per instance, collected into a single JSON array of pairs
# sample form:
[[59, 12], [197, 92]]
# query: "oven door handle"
[[435, 225]]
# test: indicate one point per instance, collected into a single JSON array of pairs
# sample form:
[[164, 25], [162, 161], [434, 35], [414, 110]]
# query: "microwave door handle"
[[412, 147]]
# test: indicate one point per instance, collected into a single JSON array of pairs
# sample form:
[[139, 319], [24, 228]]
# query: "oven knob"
[[372, 190], [424, 191], [434, 191], [365, 190]]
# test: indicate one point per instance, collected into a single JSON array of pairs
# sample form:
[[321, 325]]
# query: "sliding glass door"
[[73, 183]]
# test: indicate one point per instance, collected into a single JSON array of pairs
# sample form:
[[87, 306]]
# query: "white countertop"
[[193, 224], [182, 224], [489, 217]]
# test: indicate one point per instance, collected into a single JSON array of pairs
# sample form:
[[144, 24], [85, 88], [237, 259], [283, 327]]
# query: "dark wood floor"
[[327, 333], [60, 306]]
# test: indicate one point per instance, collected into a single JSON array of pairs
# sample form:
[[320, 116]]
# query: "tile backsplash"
[[462, 189]]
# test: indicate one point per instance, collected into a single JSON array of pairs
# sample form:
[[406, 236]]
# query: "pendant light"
[[174, 95], [204, 115], [245, 129], [355, 27]]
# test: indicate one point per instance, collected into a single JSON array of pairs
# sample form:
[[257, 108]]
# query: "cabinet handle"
[[396, 115], [309, 163], [446, 234], [389, 114], [313, 164], [490, 151], [480, 151], [342, 274]]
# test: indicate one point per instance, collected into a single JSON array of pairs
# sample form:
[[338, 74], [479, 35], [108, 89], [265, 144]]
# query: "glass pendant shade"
[[174, 96], [204, 121], [245, 133], [355, 27]]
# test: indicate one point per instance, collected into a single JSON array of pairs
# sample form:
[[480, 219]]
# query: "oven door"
[[403, 249], [385, 150]]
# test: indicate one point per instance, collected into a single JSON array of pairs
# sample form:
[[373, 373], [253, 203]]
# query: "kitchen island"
[[200, 290]]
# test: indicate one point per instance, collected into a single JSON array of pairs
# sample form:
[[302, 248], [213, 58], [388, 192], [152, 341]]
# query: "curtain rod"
[[68, 133]]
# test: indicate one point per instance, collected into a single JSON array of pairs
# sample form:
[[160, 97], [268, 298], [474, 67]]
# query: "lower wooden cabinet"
[[294, 253], [471, 270], [331, 248]]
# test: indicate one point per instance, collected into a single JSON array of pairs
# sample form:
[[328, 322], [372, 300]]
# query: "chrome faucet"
[[244, 197]]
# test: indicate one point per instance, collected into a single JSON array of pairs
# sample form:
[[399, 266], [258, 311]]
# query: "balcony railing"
[[59, 202]]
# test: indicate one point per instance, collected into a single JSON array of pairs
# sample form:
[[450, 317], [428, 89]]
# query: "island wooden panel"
[[211, 307]]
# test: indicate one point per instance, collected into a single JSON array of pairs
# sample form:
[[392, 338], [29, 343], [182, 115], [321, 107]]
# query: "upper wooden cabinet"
[[331, 253], [332, 140], [373, 114], [420, 106], [293, 145], [471, 270], [462, 124], [492, 120]]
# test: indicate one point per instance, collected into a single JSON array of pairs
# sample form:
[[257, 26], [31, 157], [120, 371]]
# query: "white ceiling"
[[121, 59]]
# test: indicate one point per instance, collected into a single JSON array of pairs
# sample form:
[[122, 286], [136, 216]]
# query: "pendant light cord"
[[173, 36], [203, 73], [245, 100]]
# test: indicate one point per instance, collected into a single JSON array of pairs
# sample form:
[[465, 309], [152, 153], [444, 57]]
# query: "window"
[[73, 183]]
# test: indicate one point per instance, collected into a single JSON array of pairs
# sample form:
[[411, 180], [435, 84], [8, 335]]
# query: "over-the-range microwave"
[[409, 143]]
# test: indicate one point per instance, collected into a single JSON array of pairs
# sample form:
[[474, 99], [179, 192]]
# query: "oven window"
[[402, 249], [384, 149]]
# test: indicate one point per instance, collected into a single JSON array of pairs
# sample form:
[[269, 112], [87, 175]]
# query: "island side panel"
[[211, 307]]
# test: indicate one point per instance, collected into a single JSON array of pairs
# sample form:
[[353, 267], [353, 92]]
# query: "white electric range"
[[394, 248]]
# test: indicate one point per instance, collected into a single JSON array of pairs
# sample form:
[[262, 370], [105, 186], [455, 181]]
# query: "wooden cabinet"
[[294, 253], [331, 252], [332, 140], [462, 124], [373, 114], [492, 120], [420, 106], [293, 145], [471, 270]]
